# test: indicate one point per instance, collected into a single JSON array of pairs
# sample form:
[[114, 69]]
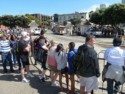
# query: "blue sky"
[[49, 7]]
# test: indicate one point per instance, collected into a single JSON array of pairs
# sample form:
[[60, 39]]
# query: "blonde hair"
[[53, 43]]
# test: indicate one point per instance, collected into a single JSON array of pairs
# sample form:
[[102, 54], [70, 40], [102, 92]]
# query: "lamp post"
[[32, 26]]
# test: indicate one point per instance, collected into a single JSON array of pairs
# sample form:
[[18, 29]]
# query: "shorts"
[[44, 63], [64, 70], [24, 62], [54, 69], [90, 83]]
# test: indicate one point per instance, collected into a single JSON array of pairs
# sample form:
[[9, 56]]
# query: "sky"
[[50, 7]]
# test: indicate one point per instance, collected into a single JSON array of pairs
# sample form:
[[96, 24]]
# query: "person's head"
[[42, 39], [4, 37], [13, 38], [53, 43], [59, 47], [71, 46], [24, 34], [90, 40], [117, 41], [42, 32]]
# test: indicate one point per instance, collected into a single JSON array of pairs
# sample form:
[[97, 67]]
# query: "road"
[[11, 82]]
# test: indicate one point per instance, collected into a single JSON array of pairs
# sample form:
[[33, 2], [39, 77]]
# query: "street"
[[11, 82]]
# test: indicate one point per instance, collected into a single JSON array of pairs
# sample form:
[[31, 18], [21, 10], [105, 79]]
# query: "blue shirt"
[[70, 58]]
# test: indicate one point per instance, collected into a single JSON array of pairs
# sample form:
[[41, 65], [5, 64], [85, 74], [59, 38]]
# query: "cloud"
[[93, 8]]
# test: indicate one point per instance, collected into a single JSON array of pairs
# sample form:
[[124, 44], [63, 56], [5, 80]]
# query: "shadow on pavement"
[[44, 87], [10, 77]]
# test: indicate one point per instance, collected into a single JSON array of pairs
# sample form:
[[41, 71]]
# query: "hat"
[[23, 34], [42, 37]]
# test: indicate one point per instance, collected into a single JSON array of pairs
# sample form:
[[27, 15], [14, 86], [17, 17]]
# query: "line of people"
[[60, 61]]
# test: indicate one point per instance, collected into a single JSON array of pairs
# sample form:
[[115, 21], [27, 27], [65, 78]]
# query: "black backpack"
[[77, 61]]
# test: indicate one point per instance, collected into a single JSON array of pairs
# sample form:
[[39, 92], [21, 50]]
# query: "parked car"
[[95, 32], [37, 31]]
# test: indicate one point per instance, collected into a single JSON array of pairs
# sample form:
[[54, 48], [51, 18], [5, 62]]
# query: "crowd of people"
[[82, 62]]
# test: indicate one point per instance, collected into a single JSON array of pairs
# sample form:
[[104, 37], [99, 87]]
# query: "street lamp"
[[33, 25]]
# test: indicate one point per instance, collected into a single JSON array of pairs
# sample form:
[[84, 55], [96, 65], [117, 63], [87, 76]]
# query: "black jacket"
[[89, 66]]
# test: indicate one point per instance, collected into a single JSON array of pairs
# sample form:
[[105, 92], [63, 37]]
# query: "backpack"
[[78, 58]]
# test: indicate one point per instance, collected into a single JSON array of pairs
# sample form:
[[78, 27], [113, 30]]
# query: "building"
[[67, 17], [102, 6], [42, 17], [123, 1]]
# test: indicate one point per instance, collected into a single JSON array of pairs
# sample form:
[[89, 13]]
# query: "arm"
[[45, 48], [27, 48]]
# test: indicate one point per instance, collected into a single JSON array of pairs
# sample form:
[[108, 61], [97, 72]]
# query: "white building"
[[123, 1], [67, 17]]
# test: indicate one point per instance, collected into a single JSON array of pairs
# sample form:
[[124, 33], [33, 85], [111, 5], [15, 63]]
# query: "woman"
[[13, 44], [71, 53], [61, 60], [52, 62]]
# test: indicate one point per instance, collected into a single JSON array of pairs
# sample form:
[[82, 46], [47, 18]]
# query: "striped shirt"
[[5, 46]]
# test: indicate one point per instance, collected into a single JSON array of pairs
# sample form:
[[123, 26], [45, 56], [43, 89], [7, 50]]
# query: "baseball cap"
[[42, 37], [23, 34], [117, 41]]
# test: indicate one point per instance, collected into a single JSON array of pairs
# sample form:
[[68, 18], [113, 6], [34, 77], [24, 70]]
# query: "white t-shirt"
[[115, 56], [61, 59]]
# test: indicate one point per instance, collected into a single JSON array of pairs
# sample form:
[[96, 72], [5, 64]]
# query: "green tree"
[[75, 21], [30, 18], [115, 14], [97, 16], [8, 20]]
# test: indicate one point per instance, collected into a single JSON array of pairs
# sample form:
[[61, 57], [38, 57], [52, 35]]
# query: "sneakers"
[[25, 80], [42, 79], [30, 75]]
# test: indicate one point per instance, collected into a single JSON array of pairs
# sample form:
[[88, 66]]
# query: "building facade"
[[42, 17], [67, 17], [123, 1]]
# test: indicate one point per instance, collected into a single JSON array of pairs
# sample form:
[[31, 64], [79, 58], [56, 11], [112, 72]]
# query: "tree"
[[97, 16], [8, 20], [112, 15], [30, 18], [115, 14], [75, 21]]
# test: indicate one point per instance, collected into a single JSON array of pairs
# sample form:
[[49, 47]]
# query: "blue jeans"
[[14, 57], [111, 88], [6, 58]]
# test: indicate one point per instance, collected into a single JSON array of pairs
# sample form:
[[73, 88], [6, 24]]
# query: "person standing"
[[24, 49], [43, 49], [115, 57], [52, 62], [61, 60], [89, 66], [5, 50], [71, 53]]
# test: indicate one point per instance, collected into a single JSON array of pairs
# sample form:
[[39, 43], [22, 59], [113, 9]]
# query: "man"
[[5, 50], [24, 49], [115, 57], [89, 68], [43, 56]]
